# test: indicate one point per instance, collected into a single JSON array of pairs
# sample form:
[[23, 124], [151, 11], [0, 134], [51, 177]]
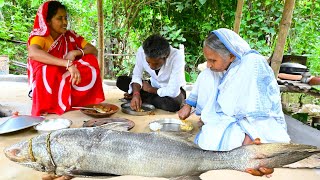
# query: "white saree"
[[243, 100]]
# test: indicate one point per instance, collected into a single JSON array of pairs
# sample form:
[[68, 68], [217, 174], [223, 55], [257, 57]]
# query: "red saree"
[[52, 91]]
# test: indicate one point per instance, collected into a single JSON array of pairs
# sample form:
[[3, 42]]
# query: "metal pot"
[[293, 68]]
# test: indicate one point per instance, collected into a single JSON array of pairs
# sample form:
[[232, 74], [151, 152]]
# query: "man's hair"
[[53, 7], [156, 46], [214, 43]]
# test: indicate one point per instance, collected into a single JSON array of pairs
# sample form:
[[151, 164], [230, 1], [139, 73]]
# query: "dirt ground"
[[14, 94]]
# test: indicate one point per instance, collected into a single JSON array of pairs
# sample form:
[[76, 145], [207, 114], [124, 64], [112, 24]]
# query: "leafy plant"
[[128, 23]]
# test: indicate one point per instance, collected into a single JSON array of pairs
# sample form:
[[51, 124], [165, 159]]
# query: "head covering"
[[40, 26], [245, 101], [233, 42]]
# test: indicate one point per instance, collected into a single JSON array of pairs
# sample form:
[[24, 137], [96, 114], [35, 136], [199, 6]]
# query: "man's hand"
[[136, 101], [148, 88], [184, 112]]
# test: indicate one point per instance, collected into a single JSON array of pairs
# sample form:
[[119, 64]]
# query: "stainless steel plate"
[[147, 109], [166, 124], [103, 121], [15, 123]]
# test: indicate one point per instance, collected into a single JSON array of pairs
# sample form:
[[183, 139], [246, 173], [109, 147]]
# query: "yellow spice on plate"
[[186, 125]]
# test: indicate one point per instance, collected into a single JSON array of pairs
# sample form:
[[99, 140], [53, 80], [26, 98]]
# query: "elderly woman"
[[63, 70], [242, 102]]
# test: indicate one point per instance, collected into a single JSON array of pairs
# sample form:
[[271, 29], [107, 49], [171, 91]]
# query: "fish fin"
[[273, 155], [117, 126], [310, 162], [90, 174], [183, 137], [186, 178], [74, 172]]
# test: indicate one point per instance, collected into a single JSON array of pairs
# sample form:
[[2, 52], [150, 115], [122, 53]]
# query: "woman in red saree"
[[62, 67]]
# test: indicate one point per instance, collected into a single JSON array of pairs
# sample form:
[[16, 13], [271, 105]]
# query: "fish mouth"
[[17, 152], [13, 154]]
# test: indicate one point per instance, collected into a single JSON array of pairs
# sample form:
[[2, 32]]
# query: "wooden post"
[[285, 24], [100, 38], [237, 21]]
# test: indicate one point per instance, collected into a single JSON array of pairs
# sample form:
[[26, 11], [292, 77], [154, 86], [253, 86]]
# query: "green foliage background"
[[128, 22]]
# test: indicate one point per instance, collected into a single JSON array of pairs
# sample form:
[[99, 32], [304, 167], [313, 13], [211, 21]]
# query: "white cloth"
[[204, 86], [246, 100], [170, 77]]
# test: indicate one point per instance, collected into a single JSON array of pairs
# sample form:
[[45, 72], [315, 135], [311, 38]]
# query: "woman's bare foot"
[[262, 170], [247, 140], [16, 113], [55, 177]]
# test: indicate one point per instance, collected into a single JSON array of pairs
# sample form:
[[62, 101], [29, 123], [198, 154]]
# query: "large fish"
[[100, 151]]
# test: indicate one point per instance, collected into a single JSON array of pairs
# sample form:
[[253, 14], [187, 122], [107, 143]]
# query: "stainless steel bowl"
[[166, 124]]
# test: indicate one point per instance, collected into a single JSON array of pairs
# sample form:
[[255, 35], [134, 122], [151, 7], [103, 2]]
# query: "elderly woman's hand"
[[184, 112], [75, 75]]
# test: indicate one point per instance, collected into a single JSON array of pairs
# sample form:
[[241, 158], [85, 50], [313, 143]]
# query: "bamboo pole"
[[100, 38], [237, 21], [282, 36]]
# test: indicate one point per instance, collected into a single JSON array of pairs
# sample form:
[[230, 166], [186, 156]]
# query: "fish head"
[[21, 153], [275, 155]]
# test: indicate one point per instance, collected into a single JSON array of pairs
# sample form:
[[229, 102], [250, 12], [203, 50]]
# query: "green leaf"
[[188, 77], [303, 117], [1, 3], [202, 2], [316, 87]]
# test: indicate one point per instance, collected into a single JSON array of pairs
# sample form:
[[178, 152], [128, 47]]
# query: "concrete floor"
[[13, 93]]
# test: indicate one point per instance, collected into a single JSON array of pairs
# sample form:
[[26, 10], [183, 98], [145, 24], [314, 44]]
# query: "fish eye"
[[15, 152]]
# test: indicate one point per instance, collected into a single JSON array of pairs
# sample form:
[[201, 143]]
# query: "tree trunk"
[[100, 38], [237, 21], [282, 36]]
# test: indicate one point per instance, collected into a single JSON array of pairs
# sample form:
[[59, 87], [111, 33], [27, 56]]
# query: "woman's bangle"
[[81, 52], [69, 64]]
